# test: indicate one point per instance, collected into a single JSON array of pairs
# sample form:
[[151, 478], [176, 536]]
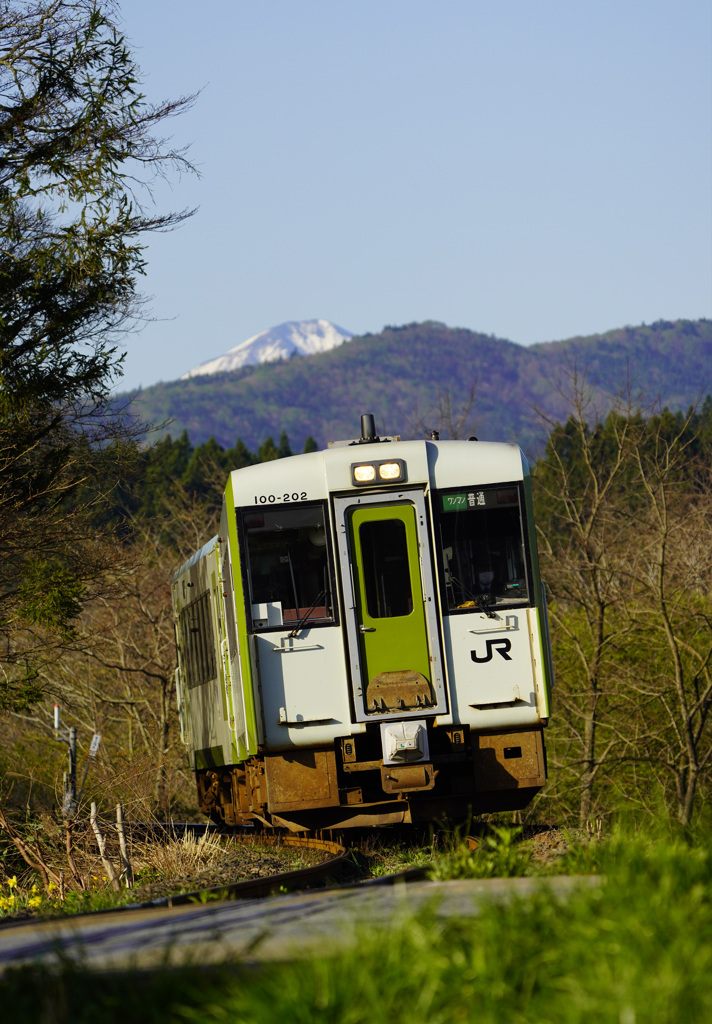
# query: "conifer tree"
[[78, 153]]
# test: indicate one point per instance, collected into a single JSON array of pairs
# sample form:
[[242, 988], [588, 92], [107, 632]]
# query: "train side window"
[[482, 541], [288, 566], [198, 641], [384, 550]]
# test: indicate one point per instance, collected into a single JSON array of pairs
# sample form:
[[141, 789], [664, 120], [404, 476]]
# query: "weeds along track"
[[337, 860], [342, 861]]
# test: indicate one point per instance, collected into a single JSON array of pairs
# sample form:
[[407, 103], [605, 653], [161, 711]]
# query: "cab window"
[[482, 547], [288, 566]]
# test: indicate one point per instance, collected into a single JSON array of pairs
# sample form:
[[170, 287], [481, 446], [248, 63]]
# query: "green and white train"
[[366, 639]]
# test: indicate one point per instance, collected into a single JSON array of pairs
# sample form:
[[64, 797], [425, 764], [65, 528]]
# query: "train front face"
[[397, 629]]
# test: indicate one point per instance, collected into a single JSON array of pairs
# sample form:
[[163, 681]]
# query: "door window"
[[384, 549]]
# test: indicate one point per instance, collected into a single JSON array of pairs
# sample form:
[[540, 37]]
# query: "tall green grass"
[[634, 949]]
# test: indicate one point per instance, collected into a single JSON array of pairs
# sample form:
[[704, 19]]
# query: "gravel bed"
[[547, 843]]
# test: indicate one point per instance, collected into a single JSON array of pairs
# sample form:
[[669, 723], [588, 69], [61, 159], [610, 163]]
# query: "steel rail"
[[336, 862], [338, 859]]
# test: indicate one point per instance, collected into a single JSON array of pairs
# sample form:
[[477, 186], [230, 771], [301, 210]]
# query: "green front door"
[[390, 612]]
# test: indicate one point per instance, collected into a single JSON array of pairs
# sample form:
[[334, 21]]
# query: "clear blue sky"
[[533, 169]]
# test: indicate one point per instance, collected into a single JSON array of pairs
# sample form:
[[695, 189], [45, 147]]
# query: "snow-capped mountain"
[[303, 337]]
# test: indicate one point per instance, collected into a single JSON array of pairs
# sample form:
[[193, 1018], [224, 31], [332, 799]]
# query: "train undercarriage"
[[348, 784]]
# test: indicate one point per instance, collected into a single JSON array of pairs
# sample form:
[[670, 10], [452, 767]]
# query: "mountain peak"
[[295, 337]]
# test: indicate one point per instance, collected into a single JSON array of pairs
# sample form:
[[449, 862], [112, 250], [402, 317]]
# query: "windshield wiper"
[[482, 601], [300, 624]]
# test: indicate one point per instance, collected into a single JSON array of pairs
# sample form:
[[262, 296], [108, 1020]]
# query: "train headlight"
[[390, 470], [387, 471], [363, 474]]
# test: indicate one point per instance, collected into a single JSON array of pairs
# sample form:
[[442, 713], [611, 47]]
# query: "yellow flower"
[[34, 901], [51, 887], [12, 882], [35, 887]]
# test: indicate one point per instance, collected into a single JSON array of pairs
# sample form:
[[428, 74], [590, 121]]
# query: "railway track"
[[339, 861], [336, 862], [236, 927]]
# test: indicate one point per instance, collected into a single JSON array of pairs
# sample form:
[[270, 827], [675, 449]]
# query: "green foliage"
[[175, 471], [498, 856], [204, 476], [50, 593], [626, 949], [78, 152], [239, 456], [589, 455], [393, 858], [20, 691], [623, 511], [75, 142], [267, 451], [283, 449]]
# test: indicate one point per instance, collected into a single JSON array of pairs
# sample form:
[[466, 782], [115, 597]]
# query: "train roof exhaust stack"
[[368, 434], [368, 427]]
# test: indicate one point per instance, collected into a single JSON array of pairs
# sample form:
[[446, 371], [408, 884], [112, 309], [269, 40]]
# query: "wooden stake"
[[126, 868], [108, 867]]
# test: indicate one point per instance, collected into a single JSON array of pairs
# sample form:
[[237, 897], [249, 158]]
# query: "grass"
[[636, 949], [499, 855], [174, 866], [176, 858]]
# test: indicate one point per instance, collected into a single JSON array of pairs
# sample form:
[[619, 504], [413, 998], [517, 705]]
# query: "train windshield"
[[289, 566], [483, 549]]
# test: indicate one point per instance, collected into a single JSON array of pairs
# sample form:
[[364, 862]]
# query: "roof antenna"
[[368, 427]]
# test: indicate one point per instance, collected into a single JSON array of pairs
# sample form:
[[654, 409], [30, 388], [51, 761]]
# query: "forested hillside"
[[429, 376]]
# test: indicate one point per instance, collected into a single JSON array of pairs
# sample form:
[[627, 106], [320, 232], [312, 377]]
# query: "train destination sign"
[[465, 499], [479, 498]]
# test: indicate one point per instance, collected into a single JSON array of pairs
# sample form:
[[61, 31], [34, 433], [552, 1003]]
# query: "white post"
[[126, 868], [108, 867]]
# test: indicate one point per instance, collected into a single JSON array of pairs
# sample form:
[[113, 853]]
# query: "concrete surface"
[[280, 927]]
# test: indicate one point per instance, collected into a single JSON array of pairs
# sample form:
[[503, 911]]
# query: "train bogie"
[[365, 641]]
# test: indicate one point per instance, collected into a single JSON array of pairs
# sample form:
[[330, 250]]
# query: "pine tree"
[[77, 147]]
